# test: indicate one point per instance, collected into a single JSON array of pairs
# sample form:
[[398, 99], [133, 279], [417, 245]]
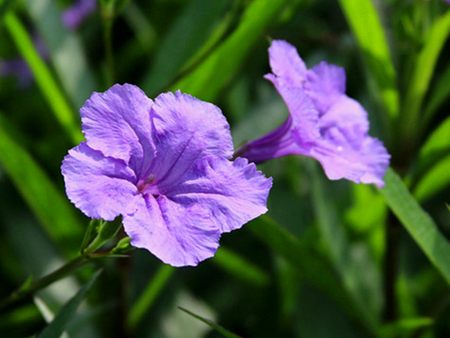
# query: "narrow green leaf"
[[52, 209], [213, 74], [418, 223], [65, 49], [224, 332], [436, 146], [405, 325], [435, 180], [145, 301], [58, 324], [239, 267], [423, 71], [438, 94], [43, 76], [365, 23], [187, 34]]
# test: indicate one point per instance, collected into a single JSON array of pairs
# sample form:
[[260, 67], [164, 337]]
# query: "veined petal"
[[346, 114], [184, 130], [117, 123], [286, 64], [325, 83], [363, 160], [233, 192], [101, 187], [176, 233]]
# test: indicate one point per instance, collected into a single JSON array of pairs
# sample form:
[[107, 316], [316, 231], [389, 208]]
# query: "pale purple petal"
[[234, 192], [325, 84], [176, 233], [361, 161], [117, 123], [286, 64], [346, 114], [73, 16], [294, 137], [101, 187], [186, 129]]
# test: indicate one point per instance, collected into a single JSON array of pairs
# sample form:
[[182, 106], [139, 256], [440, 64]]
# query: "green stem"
[[27, 292]]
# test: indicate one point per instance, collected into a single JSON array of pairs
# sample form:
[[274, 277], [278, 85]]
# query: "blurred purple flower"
[[164, 166], [324, 123], [73, 16]]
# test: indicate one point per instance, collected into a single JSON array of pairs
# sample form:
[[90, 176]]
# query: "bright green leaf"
[[186, 36], [418, 223], [65, 49], [213, 74], [365, 23], [43, 76], [423, 71]]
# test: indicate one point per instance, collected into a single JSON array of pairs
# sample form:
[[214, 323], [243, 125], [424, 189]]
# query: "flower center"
[[148, 186]]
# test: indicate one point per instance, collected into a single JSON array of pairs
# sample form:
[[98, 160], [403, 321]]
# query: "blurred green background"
[[331, 259]]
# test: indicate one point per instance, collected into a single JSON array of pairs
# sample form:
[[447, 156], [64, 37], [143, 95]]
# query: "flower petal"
[[99, 186], [363, 160], [279, 142], [117, 123], [286, 64], [325, 83], [234, 192], [186, 129], [346, 114], [177, 234]]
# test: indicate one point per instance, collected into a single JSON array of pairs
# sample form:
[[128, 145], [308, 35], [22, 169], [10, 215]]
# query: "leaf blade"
[[418, 223]]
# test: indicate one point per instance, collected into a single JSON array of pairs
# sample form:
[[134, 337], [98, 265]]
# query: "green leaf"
[[240, 268], [145, 301], [186, 36], [418, 223], [436, 146], [48, 85], [404, 326], [435, 180], [52, 209], [365, 23], [438, 94], [423, 71], [65, 49], [308, 265], [58, 324], [224, 332], [337, 243], [208, 79]]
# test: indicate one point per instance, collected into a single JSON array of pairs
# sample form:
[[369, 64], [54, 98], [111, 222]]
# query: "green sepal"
[[90, 233], [122, 246]]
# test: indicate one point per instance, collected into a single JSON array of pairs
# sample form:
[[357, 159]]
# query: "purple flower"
[[324, 123], [164, 165], [73, 16]]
